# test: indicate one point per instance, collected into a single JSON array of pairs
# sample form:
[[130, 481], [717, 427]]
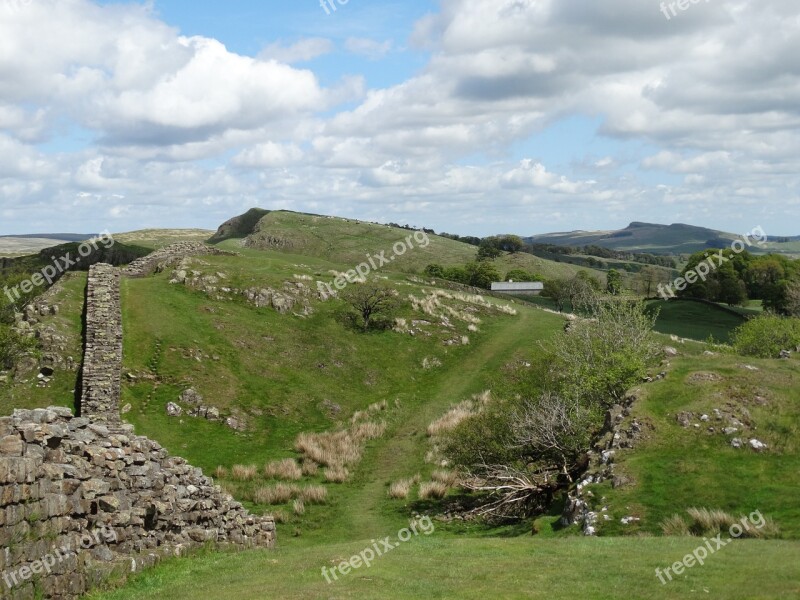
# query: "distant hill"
[[677, 238], [17, 245]]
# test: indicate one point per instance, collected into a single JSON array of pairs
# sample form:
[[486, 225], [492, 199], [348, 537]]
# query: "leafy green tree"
[[481, 274], [488, 250], [435, 270], [370, 299], [614, 282], [510, 243], [520, 275]]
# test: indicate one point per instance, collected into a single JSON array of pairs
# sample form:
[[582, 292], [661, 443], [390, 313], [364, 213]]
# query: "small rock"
[[670, 351], [737, 443], [704, 418], [629, 520], [757, 445], [173, 410], [785, 354], [729, 430]]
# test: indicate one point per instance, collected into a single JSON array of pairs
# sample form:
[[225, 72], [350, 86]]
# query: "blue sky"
[[475, 117]]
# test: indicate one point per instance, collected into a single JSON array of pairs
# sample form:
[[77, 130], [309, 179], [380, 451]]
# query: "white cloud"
[[371, 49], [301, 51]]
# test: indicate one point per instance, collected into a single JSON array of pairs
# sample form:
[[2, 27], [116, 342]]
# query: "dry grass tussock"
[[336, 474], [281, 493], [432, 490], [399, 490], [705, 522], [287, 469], [453, 417], [338, 449], [449, 478], [244, 472]]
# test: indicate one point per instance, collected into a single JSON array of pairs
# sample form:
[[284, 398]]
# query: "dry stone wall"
[[102, 357], [82, 498], [163, 257]]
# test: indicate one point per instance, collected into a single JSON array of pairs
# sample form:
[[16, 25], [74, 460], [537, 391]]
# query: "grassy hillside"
[[348, 242], [158, 238]]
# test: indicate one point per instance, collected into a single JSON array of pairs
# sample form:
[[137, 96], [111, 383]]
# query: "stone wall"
[[163, 257], [102, 356], [84, 498]]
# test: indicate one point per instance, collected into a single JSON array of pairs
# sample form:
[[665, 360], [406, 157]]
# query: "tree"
[[519, 275], [481, 274], [600, 358], [510, 243], [649, 277], [370, 299], [488, 250], [557, 291], [435, 270], [793, 298], [614, 282]]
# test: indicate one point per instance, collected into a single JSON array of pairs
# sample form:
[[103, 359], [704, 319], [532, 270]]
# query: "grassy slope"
[[347, 242], [671, 478], [157, 238], [695, 320], [25, 393]]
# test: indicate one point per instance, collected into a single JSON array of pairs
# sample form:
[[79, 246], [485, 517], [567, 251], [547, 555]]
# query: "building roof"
[[517, 286]]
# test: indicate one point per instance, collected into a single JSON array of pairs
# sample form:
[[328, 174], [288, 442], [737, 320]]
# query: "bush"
[[766, 336]]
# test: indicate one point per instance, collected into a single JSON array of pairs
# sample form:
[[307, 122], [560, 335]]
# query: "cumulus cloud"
[[693, 111]]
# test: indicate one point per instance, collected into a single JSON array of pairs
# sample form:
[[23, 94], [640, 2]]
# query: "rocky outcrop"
[[164, 257]]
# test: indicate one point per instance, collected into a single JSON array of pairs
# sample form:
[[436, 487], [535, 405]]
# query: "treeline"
[[727, 277]]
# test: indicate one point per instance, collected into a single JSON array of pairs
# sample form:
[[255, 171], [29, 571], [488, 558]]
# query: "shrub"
[[765, 336]]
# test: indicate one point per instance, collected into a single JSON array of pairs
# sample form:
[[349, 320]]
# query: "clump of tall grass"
[[336, 474], [432, 490], [220, 472], [299, 506], [309, 468], [314, 494], [280, 493], [286, 469], [399, 490], [453, 417], [706, 522], [449, 478], [243, 472]]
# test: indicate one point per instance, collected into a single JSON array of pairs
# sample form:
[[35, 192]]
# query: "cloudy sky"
[[468, 116]]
